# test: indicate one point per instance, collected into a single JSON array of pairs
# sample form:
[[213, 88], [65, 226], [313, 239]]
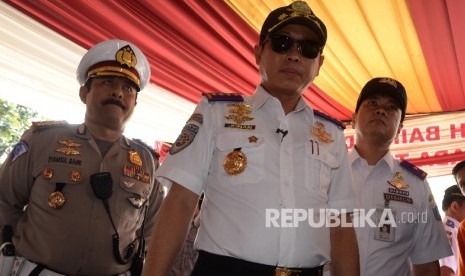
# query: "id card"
[[385, 224]]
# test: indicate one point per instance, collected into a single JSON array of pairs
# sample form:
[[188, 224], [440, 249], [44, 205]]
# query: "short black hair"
[[460, 165], [451, 194]]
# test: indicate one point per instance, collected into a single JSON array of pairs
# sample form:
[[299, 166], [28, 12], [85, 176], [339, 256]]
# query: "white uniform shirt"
[[295, 171], [418, 236], [451, 226]]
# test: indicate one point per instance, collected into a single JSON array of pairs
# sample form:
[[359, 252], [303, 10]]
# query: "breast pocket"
[[319, 166], [250, 154]]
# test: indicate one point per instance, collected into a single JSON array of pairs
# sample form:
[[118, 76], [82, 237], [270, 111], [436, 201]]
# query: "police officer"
[[396, 192], [453, 205], [81, 198], [258, 159]]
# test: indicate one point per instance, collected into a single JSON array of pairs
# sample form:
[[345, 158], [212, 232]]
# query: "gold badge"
[[69, 147], [235, 162], [253, 139], [69, 143], [239, 113], [134, 158], [126, 56], [75, 176], [47, 174], [320, 132], [56, 200], [68, 151], [398, 182]]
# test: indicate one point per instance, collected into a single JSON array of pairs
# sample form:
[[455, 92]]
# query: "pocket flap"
[[228, 142]]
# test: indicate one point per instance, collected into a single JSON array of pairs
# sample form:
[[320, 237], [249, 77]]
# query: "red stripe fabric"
[[441, 32]]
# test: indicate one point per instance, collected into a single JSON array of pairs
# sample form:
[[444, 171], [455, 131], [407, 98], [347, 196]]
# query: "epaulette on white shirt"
[[329, 118], [223, 97], [414, 169]]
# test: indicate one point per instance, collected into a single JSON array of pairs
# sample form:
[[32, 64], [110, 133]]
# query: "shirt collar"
[[387, 158], [83, 133], [261, 96]]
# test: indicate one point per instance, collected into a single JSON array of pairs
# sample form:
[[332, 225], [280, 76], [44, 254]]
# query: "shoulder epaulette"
[[329, 118], [154, 153], [414, 169], [223, 97], [47, 124]]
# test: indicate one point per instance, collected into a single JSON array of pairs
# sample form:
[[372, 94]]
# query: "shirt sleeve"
[[450, 261], [15, 182], [188, 161], [430, 233]]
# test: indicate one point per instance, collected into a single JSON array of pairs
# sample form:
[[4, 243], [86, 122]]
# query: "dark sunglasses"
[[282, 44]]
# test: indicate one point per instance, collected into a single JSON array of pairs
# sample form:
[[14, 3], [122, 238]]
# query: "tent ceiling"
[[197, 46]]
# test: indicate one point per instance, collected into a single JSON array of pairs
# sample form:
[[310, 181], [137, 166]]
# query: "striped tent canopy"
[[207, 46]]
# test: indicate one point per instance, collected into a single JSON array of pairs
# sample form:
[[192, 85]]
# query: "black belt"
[[212, 264]]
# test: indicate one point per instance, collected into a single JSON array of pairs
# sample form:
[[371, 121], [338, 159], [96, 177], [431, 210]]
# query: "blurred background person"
[[454, 210]]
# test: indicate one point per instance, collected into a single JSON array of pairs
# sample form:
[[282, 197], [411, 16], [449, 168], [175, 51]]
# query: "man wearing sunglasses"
[[264, 163], [80, 199]]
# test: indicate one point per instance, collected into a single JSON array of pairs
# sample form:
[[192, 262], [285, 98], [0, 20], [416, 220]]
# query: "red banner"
[[435, 143]]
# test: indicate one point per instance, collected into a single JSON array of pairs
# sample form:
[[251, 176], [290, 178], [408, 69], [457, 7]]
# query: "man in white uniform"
[[454, 208], [260, 161], [407, 226]]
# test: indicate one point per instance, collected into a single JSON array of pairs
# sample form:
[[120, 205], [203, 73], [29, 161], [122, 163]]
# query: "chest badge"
[[398, 182], [319, 131], [69, 147], [235, 162], [134, 158], [239, 113]]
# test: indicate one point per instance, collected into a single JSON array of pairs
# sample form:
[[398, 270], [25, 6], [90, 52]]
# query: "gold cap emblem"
[[126, 56]]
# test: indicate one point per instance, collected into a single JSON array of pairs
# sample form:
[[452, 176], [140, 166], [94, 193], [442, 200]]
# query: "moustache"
[[115, 102]]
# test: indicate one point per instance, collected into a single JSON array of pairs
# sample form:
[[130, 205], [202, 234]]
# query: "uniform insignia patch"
[[450, 223], [20, 148], [196, 117], [319, 131], [185, 138], [398, 181], [128, 184], [69, 147], [239, 113], [398, 198], [47, 174], [75, 176], [433, 205], [329, 118], [414, 169], [235, 162], [137, 201], [69, 143], [253, 139], [46, 124], [134, 158]]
